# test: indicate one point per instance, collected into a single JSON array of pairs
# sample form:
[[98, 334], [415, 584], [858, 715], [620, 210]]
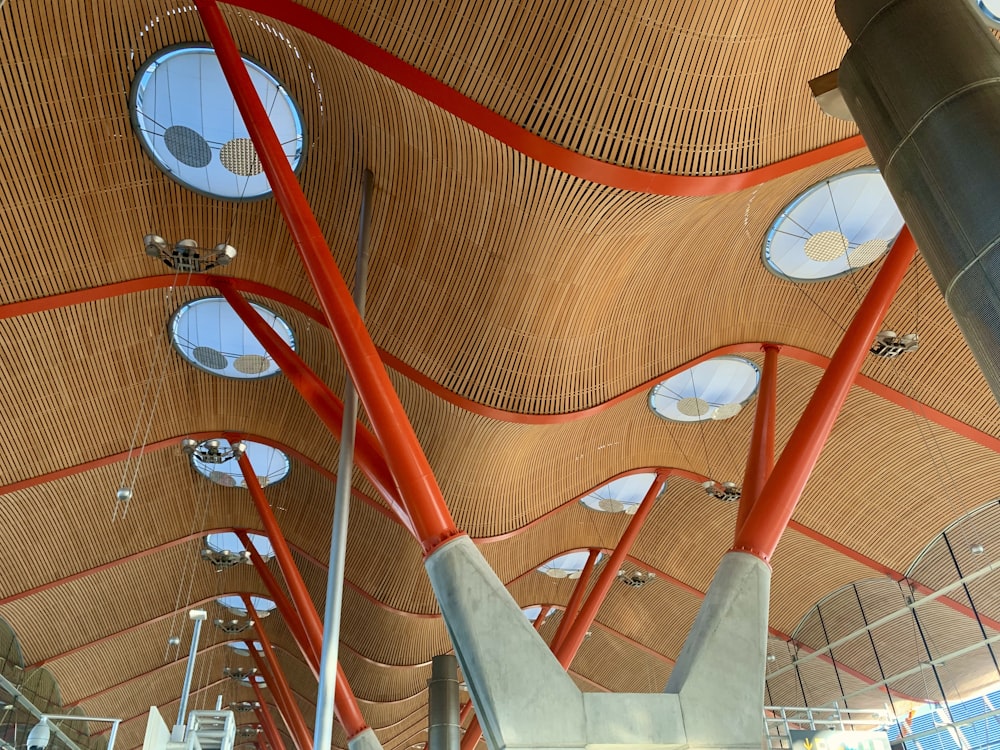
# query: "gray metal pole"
[[323, 736], [443, 727], [922, 80], [198, 615]]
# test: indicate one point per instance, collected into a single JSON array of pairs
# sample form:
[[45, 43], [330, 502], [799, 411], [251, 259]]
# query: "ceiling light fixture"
[[187, 256], [234, 626], [977, 549], [636, 578], [726, 491], [888, 344], [223, 559]]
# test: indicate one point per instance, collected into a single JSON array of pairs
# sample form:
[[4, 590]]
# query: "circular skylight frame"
[[234, 603], [227, 540], [231, 468], [571, 564], [242, 649], [675, 388], [228, 333], [621, 495], [840, 228], [154, 142], [991, 18]]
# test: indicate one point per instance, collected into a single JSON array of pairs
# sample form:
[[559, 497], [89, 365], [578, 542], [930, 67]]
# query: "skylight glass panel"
[[569, 565], [228, 541], [835, 227], [235, 604], [188, 123], [717, 389], [241, 648], [269, 464], [621, 495], [211, 336], [990, 10]]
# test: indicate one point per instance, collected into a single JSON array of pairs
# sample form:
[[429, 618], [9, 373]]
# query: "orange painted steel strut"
[[760, 459], [768, 518], [274, 678], [346, 705], [330, 409], [578, 631], [419, 490], [573, 607], [265, 718]]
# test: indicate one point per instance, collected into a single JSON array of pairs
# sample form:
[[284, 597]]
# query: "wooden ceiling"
[[570, 203]]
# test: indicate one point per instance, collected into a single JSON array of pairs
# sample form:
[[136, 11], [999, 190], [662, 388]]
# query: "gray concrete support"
[[524, 698], [443, 727], [922, 79]]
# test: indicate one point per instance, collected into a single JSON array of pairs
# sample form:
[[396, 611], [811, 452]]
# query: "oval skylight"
[[622, 495], [567, 566], [532, 613], [269, 464], [990, 10], [234, 604], [211, 336], [187, 121], [241, 648], [228, 541], [835, 227], [714, 389]]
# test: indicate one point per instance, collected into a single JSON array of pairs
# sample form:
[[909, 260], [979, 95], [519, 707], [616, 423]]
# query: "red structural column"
[[367, 452], [346, 704], [265, 719], [760, 459], [570, 613], [574, 638], [275, 679], [288, 612], [418, 488], [766, 521]]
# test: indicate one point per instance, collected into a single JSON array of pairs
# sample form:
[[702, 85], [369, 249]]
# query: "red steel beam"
[[330, 409], [347, 710], [274, 677], [573, 607], [766, 521], [574, 638], [409, 467], [760, 459], [266, 720]]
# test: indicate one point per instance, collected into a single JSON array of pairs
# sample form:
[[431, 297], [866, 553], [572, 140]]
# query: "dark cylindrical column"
[[922, 79], [443, 725]]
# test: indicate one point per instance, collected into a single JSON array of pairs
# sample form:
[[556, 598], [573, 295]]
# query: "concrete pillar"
[[922, 79], [443, 727]]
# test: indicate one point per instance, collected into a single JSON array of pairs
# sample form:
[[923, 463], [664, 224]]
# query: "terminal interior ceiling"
[[587, 219]]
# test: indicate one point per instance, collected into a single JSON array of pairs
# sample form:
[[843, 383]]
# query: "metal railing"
[[779, 720]]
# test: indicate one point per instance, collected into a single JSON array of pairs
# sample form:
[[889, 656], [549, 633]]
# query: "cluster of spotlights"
[[233, 627], [239, 674], [728, 492], [636, 578], [243, 707], [223, 559], [187, 256], [213, 451]]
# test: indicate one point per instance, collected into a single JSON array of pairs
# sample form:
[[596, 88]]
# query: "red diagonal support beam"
[[760, 458], [766, 521], [346, 705], [274, 677], [578, 631], [573, 607], [263, 712], [418, 489]]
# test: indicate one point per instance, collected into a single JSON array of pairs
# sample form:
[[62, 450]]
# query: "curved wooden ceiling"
[[523, 310]]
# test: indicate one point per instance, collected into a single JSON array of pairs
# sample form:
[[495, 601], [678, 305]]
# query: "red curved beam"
[[518, 138], [147, 283]]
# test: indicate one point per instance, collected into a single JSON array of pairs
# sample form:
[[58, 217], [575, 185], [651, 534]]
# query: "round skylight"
[[228, 541], [835, 227], [622, 495], [269, 464], [235, 604], [532, 613], [241, 648], [211, 336], [990, 10], [714, 389], [187, 121], [567, 566]]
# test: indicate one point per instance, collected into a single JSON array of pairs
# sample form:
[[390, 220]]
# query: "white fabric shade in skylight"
[[621, 495], [837, 226], [187, 121], [567, 566], [228, 541], [714, 389], [269, 464], [211, 336], [235, 604]]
